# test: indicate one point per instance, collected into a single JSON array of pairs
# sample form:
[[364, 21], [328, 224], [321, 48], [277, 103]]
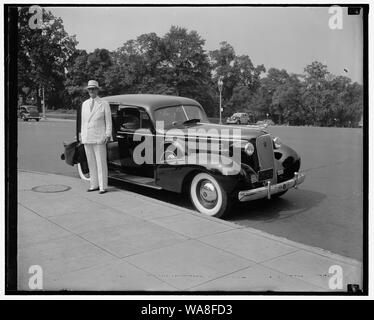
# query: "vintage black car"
[[265, 168], [27, 113]]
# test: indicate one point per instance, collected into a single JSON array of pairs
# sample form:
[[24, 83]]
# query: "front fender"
[[287, 151], [171, 175], [287, 160]]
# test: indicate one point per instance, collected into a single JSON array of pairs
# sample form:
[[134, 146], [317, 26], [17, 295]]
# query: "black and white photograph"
[[173, 149]]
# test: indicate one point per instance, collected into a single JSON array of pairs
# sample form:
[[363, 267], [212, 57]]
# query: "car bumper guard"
[[271, 189]]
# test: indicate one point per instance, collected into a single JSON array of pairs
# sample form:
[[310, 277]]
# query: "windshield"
[[176, 115], [29, 108]]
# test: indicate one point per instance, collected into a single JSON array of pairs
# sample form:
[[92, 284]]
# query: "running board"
[[141, 181]]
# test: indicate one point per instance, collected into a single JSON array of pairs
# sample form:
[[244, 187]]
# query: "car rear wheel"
[[83, 173], [208, 196]]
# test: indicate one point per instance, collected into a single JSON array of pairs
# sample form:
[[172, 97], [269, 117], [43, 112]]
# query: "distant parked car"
[[28, 112], [266, 122], [238, 118]]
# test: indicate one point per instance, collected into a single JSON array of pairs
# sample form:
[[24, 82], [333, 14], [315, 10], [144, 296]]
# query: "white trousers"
[[97, 164]]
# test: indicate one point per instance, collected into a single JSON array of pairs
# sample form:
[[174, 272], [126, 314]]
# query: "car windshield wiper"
[[191, 121]]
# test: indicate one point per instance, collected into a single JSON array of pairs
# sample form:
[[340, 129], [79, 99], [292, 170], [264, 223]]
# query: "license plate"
[[265, 174]]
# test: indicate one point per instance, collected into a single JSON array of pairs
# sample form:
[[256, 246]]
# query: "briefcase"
[[71, 153]]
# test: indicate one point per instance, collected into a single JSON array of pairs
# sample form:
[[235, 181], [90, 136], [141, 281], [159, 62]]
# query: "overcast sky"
[[280, 37]]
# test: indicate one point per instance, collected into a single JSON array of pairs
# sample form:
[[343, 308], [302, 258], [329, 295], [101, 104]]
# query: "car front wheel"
[[83, 173], [208, 196]]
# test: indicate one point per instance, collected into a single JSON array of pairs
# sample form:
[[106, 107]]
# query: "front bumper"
[[29, 116], [270, 189]]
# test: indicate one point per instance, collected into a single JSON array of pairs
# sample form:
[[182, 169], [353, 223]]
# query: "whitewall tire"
[[83, 176], [208, 196]]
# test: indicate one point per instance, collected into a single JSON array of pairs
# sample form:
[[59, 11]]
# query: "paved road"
[[326, 211]]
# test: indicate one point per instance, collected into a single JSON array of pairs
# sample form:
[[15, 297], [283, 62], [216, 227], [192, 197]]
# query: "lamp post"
[[43, 103], [220, 86]]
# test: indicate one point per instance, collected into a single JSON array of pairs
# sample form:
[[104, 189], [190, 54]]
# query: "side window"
[[145, 120], [129, 119]]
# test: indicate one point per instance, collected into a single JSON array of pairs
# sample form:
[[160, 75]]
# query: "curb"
[[57, 119]]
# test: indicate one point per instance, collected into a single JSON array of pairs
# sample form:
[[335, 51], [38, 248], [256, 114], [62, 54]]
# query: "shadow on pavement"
[[294, 202], [162, 195]]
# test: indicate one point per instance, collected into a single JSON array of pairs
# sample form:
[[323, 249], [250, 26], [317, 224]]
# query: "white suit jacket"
[[96, 125]]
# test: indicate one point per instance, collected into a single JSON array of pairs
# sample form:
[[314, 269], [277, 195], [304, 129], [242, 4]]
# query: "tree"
[[268, 86], [77, 78], [98, 63], [330, 100], [135, 64], [185, 66], [286, 101], [348, 106], [175, 64], [316, 79], [43, 54], [241, 78], [85, 67]]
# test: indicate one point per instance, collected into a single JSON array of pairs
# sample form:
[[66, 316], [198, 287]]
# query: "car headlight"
[[249, 148], [277, 142]]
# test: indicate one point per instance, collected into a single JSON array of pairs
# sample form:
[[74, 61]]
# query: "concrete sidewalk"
[[125, 241]]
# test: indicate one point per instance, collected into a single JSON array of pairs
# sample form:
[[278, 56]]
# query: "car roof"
[[27, 106], [150, 101]]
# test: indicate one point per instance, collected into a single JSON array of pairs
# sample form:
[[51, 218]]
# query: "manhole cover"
[[51, 188]]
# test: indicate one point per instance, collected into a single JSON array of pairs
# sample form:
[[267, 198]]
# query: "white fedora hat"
[[92, 84]]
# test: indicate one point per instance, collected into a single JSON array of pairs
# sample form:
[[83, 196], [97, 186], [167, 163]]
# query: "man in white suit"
[[96, 131]]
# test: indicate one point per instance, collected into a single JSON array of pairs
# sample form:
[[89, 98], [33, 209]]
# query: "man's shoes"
[[90, 190], [102, 191]]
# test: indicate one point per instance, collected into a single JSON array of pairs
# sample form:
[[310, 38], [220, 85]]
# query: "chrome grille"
[[265, 154]]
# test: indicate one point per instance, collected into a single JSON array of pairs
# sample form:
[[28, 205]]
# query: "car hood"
[[211, 129], [32, 112]]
